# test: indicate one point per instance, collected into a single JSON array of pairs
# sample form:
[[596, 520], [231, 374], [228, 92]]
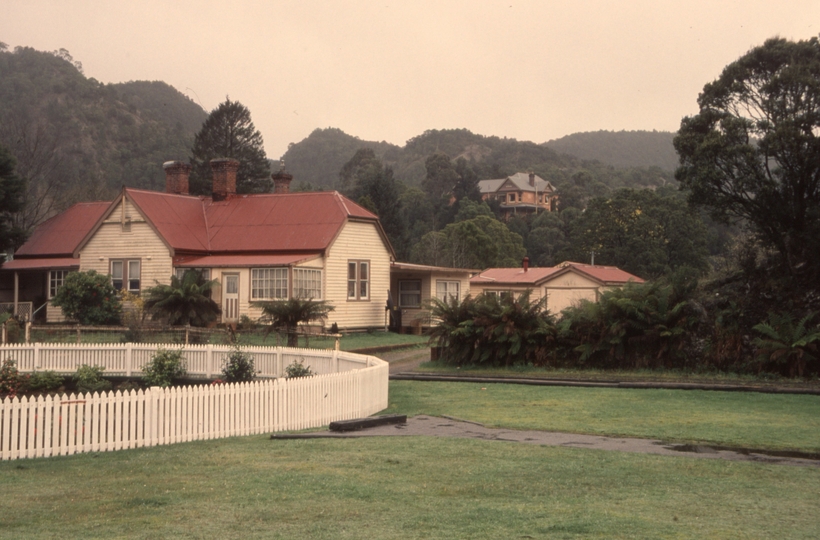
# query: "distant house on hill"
[[520, 193], [258, 247], [562, 286]]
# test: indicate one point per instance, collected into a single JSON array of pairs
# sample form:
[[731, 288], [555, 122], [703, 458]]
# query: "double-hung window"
[[358, 280], [445, 290], [307, 283], [410, 294], [269, 283], [125, 275], [56, 278]]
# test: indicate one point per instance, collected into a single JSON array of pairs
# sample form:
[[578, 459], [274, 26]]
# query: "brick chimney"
[[281, 180], [526, 263], [176, 177], [532, 179], [224, 171]]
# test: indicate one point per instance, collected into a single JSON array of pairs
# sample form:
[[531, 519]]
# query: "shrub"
[[786, 344], [90, 379], [164, 368], [44, 381], [297, 369], [492, 331], [89, 298], [11, 381], [238, 366]]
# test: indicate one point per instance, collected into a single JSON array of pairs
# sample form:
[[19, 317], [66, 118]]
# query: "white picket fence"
[[347, 386]]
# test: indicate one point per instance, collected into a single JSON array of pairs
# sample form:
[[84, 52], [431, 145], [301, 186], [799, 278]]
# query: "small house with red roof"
[[563, 286], [259, 247]]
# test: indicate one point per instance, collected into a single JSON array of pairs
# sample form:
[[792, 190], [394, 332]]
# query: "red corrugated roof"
[[535, 276], [514, 276], [239, 261], [61, 234], [41, 264], [283, 222], [303, 223], [179, 219]]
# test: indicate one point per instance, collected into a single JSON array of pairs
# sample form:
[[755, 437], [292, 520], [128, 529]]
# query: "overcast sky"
[[388, 70]]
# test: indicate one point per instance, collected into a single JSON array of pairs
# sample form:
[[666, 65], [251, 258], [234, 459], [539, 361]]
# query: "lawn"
[[386, 488], [423, 487], [349, 342], [600, 375], [736, 419]]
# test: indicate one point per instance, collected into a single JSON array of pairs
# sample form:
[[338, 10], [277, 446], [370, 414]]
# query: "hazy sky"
[[389, 70]]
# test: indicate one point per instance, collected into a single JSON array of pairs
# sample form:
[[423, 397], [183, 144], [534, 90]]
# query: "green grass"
[[637, 375], [737, 419], [412, 487], [349, 342]]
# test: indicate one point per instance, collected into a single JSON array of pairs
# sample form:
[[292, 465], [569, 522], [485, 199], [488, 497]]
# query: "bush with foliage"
[[289, 314], [638, 326], [164, 368], [238, 366], [45, 381], [90, 379], [492, 331], [90, 298], [11, 381], [298, 369], [185, 301], [788, 346]]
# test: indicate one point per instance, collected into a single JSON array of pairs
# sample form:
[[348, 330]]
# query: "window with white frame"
[[125, 275], [499, 294], [410, 293], [269, 283], [56, 278], [358, 280], [307, 283], [445, 290]]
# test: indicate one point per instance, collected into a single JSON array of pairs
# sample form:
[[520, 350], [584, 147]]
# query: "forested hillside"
[[75, 138], [317, 160], [621, 148]]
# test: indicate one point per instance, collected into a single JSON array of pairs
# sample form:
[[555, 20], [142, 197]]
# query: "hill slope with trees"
[[621, 148], [75, 138]]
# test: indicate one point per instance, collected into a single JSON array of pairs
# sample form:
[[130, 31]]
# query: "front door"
[[230, 298]]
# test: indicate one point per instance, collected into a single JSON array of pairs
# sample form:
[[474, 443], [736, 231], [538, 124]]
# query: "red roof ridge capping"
[[362, 212]]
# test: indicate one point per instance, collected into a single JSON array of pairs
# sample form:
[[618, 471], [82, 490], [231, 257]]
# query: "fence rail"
[[347, 386]]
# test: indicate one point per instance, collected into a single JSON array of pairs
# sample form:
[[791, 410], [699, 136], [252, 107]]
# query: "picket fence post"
[[129, 356]]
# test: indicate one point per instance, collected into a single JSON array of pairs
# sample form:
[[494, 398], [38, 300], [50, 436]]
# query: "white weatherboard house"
[[258, 247]]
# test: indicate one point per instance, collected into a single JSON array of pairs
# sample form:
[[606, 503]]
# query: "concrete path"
[[448, 427]]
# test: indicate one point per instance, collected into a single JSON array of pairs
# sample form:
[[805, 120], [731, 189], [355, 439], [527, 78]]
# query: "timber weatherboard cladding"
[[110, 242], [359, 241]]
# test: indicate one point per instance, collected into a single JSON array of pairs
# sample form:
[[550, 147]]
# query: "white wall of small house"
[[111, 242], [357, 241], [568, 290]]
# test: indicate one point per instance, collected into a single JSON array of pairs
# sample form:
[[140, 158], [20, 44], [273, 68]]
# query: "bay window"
[[269, 283]]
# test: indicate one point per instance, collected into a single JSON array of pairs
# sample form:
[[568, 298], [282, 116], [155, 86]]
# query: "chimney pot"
[[224, 174], [526, 262], [281, 181], [176, 177], [532, 179]]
